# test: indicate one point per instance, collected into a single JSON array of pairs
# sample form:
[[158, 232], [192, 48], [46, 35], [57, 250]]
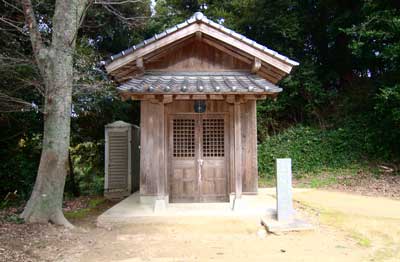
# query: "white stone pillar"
[[284, 202]]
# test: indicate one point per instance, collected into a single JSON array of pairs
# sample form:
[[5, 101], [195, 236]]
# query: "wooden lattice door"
[[198, 149]]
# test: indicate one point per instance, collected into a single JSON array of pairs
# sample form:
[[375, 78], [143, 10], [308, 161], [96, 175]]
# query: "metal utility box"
[[121, 164]]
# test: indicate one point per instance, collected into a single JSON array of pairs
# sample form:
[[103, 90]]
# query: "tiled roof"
[[199, 82], [198, 16]]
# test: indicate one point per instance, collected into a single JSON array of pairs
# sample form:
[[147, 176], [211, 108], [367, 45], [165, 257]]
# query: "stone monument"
[[285, 219]]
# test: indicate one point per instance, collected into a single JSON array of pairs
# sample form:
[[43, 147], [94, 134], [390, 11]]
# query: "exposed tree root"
[[59, 219]]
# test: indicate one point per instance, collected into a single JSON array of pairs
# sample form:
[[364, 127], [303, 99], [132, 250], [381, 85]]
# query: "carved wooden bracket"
[[256, 65], [140, 64]]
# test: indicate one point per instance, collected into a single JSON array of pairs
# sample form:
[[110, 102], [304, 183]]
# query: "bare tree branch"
[[88, 3], [38, 85], [13, 6], [12, 24], [13, 104], [34, 33], [14, 60], [129, 20], [121, 2]]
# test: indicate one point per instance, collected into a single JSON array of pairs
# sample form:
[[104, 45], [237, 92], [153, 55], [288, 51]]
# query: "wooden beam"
[[126, 74], [261, 97], [281, 65], [274, 71], [226, 50], [168, 39], [256, 65], [182, 97], [168, 99], [124, 96], [170, 48], [250, 97], [199, 97], [265, 70], [149, 97], [136, 97], [230, 99], [216, 97], [266, 76], [233, 49]]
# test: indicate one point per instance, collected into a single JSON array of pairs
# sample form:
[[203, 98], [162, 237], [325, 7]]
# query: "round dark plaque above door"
[[200, 106]]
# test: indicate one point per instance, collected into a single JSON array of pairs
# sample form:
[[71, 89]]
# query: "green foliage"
[[18, 171], [388, 104], [14, 218], [87, 162], [312, 149], [387, 109]]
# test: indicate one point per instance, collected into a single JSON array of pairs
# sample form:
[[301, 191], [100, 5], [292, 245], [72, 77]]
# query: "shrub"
[[87, 162], [311, 149]]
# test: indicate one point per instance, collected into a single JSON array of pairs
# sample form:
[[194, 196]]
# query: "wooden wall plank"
[[197, 56]]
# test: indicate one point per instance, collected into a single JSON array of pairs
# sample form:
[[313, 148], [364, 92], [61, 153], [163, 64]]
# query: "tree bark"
[[56, 66]]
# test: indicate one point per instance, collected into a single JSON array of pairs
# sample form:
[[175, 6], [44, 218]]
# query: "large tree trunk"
[[56, 66], [46, 200]]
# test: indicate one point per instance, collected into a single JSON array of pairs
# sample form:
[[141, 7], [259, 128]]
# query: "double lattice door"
[[198, 154]]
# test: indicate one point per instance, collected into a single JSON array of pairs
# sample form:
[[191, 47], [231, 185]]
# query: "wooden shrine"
[[198, 83]]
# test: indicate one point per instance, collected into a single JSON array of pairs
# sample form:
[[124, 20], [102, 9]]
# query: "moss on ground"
[[84, 212]]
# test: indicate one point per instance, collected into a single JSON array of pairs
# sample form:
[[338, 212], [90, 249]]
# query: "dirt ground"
[[374, 222], [347, 228], [212, 239]]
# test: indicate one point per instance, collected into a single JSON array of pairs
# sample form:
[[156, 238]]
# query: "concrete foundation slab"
[[274, 226], [134, 207], [160, 205], [239, 204]]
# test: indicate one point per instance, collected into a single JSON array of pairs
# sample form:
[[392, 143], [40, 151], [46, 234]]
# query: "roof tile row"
[[189, 82], [200, 17]]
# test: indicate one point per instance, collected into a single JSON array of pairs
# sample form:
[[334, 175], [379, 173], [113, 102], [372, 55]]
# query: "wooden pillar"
[[238, 151], [152, 153], [161, 153]]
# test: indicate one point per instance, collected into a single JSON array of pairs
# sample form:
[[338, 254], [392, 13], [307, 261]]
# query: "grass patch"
[[77, 214], [266, 182], [323, 178], [93, 203], [340, 220], [361, 239], [81, 213]]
